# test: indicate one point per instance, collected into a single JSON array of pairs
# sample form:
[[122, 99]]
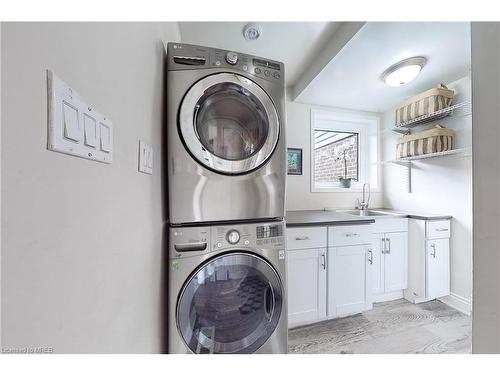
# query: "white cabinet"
[[306, 285], [438, 268], [429, 260], [347, 282], [388, 260], [395, 261], [347, 273], [306, 275]]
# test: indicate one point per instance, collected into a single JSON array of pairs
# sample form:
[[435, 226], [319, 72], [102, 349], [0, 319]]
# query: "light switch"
[[74, 126], [90, 128], [145, 158], [149, 159], [71, 124], [105, 137]]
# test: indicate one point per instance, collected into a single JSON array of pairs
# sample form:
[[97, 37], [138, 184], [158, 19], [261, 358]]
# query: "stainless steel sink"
[[365, 213]]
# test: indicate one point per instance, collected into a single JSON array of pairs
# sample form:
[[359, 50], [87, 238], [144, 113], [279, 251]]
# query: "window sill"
[[344, 190]]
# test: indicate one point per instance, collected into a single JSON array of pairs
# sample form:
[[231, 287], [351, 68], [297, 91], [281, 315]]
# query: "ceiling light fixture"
[[252, 31], [404, 71]]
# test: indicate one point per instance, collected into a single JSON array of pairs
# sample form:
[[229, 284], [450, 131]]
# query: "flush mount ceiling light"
[[404, 71], [252, 31]]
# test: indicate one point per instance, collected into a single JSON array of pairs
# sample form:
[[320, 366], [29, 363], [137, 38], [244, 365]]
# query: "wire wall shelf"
[[407, 162], [434, 116]]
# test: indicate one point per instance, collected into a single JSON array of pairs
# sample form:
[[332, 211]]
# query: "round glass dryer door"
[[228, 123], [231, 304]]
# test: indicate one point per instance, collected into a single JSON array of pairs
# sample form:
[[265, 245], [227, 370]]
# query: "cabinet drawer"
[[349, 235], [305, 237], [387, 225], [438, 229]]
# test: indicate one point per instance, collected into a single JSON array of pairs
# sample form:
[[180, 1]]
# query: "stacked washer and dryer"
[[226, 181]]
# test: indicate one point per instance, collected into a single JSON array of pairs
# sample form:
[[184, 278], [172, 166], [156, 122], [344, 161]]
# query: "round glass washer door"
[[228, 123], [231, 304]]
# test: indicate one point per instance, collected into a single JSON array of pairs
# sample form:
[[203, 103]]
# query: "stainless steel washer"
[[226, 136], [227, 289]]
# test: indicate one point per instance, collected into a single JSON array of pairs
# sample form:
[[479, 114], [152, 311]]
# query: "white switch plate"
[[145, 158], [75, 127]]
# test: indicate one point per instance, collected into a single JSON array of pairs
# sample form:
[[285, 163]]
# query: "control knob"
[[232, 58], [233, 237]]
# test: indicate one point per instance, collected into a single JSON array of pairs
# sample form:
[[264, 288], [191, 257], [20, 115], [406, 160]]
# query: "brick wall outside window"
[[327, 168]]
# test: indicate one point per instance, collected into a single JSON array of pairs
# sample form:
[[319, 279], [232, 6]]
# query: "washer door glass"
[[232, 304], [229, 123]]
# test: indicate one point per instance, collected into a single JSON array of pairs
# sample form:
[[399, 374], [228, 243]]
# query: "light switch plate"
[[75, 127], [145, 158]]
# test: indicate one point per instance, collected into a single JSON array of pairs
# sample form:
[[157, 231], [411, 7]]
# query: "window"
[[335, 155], [344, 144]]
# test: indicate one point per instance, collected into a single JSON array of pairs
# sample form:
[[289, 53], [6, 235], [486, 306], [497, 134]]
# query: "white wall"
[[486, 138], [0, 184], [298, 194], [82, 241], [440, 185]]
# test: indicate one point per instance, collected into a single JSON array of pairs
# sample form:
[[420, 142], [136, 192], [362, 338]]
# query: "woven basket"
[[427, 102], [438, 139]]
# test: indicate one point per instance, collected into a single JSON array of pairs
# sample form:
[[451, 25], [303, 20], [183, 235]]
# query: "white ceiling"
[[352, 78], [293, 43]]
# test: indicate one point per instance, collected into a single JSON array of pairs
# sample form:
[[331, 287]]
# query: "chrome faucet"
[[363, 204]]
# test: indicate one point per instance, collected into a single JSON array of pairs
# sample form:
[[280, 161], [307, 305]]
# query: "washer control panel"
[[231, 236], [270, 234], [188, 241], [192, 241], [187, 57]]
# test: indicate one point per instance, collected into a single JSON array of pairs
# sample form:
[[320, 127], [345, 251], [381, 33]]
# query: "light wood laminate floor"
[[391, 327]]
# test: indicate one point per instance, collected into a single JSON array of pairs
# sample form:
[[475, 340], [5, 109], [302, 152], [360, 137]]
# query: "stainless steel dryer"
[[227, 289], [226, 136]]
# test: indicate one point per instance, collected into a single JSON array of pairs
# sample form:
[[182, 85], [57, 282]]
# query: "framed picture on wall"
[[294, 161]]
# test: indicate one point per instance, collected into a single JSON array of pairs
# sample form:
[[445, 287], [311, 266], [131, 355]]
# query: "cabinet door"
[[306, 279], [376, 264], [438, 268], [346, 280], [396, 261]]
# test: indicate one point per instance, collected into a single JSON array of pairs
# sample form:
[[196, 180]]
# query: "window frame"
[[366, 125]]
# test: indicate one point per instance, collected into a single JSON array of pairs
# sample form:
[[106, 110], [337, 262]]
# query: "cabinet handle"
[[433, 251], [442, 230], [303, 238], [370, 257], [323, 256], [352, 234], [383, 245], [388, 242]]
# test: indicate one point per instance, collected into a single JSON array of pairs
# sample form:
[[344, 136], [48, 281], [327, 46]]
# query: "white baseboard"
[[459, 303], [387, 296]]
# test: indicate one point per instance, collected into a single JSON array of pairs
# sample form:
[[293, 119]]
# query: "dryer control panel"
[[188, 57]]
